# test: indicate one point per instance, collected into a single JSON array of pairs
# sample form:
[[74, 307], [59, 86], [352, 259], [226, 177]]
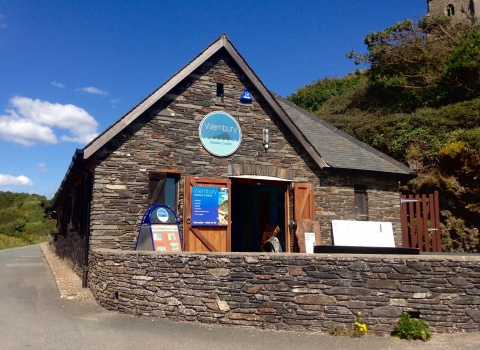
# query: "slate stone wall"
[[165, 138], [290, 291]]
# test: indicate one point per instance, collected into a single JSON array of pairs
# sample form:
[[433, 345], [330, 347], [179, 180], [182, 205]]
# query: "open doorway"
[[254, 206]]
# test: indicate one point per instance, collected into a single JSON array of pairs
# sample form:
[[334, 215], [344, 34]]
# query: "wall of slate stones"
[[290, 291], [165, 138]]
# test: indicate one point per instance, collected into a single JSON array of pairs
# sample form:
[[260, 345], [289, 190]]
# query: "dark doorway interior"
[[254, 206]]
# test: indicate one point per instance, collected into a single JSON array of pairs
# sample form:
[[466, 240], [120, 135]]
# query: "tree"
[[426, 63]]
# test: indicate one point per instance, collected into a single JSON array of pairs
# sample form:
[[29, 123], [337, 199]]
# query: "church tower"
[[459, 10]]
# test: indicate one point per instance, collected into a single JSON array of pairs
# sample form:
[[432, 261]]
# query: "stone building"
[[287, 165], [459, 10]]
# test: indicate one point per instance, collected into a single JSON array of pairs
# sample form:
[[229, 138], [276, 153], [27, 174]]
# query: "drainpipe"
[[79, 154]]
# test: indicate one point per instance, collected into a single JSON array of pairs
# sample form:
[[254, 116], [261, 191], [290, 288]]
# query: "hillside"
[[23, 220], [425, 113]]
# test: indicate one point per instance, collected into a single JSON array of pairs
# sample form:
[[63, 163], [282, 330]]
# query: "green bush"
[[23, 219], [313, 95], [411, 329]]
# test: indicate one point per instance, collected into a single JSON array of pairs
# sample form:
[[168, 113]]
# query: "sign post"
[[159, 230]]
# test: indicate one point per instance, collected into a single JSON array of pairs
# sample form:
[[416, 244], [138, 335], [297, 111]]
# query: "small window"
[[360, 203], [450, 10], [163, 189], [219, 98]]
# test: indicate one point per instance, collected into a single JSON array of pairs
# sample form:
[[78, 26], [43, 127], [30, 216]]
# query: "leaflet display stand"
[[159, 230]]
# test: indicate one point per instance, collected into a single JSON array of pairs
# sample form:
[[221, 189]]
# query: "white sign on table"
[[309, 242], [362, 233]]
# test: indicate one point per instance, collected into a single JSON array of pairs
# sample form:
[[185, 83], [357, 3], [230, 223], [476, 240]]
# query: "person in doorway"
[[270, 242]]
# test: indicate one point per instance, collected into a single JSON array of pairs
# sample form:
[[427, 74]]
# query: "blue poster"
[[209, 206]]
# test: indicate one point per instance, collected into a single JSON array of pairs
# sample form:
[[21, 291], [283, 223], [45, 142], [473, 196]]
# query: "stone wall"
[[165, 139], [290, 291], [438, 7]]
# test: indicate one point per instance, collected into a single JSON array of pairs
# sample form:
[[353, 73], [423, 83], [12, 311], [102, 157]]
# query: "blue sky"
[[69, 69]]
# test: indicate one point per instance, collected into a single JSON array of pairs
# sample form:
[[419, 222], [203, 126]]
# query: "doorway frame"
[[287, 194]]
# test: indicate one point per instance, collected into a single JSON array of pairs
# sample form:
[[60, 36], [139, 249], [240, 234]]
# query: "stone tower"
[[457, 9]]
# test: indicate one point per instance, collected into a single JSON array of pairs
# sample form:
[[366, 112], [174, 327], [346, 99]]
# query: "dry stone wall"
[[165, 138], [290, 291]]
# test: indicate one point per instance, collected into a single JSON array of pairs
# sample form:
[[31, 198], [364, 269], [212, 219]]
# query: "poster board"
[[209, 206], [159, 230], [166, 238], [362, 233]]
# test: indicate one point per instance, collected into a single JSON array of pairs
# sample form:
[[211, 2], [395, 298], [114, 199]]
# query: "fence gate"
[[420, 216]]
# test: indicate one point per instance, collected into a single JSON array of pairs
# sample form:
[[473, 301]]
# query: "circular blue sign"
[[162, 215], [220, 134]]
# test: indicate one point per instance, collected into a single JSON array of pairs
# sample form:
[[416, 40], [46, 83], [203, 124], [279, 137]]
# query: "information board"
[[165, 238], [159, 230], [362, 233], [209, 206]]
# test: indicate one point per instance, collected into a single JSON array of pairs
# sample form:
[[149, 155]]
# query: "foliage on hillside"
[[428, 63], [419, 102], [22, 219]]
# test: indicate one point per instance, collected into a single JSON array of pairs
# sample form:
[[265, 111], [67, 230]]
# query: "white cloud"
[[32, 121], [93, 90], [2, 21], [21, 180], [42, 167], [57, 84], [115, 100]]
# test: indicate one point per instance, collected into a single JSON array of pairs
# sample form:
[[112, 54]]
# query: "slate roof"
[[338, 149]]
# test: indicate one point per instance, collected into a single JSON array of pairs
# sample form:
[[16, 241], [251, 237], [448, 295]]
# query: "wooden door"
[[303, 201], [205, 238], [303, 206]]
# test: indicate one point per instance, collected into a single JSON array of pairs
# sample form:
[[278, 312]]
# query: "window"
[[163, 189], [360, 203], [219, 98], [450, 10]]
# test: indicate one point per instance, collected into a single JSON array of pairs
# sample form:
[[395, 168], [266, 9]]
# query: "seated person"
[[270, 242]]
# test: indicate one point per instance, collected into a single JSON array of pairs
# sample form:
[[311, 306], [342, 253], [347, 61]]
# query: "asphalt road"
[[33, 316]]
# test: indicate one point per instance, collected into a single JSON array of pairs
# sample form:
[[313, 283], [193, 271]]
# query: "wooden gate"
[[204, 238], [420, 215]]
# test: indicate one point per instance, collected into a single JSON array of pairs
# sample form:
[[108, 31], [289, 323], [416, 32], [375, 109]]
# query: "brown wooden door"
[[205, 238], [303, 201], [303, 206]]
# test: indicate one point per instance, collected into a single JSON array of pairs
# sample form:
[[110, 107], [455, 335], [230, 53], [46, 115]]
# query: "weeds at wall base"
[[411, 329]]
